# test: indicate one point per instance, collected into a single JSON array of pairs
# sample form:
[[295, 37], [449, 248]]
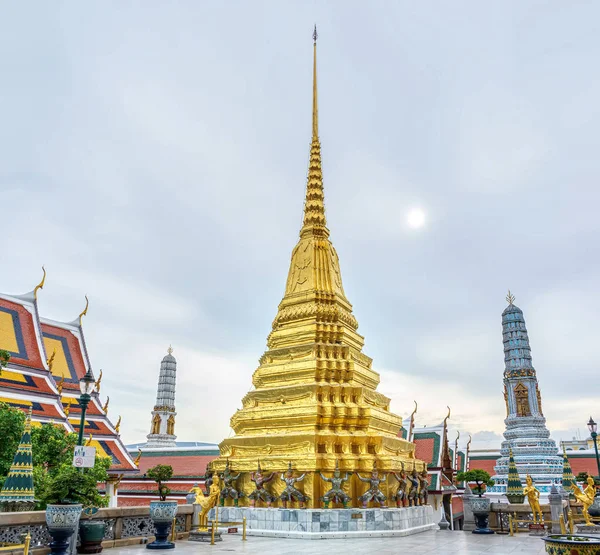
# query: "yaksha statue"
[[400, 495], [373, 493], [260, 492], [290, 493], [423, 487], [228, 486], [413, 488], [336, 493], [533, 496], [208, 479]]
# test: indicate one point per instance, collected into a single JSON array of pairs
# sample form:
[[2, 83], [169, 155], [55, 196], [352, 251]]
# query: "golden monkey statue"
[[207, 502], [586, 497]]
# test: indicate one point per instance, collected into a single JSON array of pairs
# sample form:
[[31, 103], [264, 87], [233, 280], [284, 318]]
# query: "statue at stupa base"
[[336, 494], [533, 496], [260, 492], [400, 496], [291, 493], [413, 491], [373, 493]]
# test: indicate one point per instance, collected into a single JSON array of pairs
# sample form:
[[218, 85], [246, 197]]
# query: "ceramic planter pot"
[[91, 534], [481, 511], [516, 498], [574, 544], [162, 514], [62, 522]]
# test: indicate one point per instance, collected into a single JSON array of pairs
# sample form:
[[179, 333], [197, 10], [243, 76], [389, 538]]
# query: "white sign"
[[84, 457]]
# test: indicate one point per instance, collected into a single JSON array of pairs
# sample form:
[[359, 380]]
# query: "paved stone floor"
[[444, 543]]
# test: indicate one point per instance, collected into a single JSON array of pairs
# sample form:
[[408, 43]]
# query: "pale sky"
[[153, 156]]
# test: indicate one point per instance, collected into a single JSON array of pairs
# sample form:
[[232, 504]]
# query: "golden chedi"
[[315, 398]]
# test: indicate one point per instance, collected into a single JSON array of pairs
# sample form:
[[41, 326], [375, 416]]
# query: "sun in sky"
[[415, 218]]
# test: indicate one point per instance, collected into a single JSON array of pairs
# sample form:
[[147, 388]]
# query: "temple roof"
[[48, 358]]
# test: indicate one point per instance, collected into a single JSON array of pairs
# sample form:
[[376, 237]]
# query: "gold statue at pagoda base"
[[315, 398]]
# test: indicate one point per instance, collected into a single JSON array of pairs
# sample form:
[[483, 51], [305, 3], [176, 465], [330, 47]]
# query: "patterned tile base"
[[330, 523]]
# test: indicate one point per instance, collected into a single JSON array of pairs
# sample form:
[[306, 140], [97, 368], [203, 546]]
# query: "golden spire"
[[87, 303], [40, 285], [315, 111], [510, 298], [314, 204]]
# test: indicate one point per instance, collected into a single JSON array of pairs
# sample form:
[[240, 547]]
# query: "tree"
[[480, 477], [52, 446], [583, 476], [4, 358], [12, 421], [67, 484], [161, 473]]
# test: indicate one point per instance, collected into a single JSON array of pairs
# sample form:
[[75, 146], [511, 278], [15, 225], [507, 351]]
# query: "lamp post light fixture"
[[86, 386], [593, 427]]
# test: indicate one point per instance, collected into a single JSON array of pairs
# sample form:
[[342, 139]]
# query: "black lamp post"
[[592, 427], [86, 385]]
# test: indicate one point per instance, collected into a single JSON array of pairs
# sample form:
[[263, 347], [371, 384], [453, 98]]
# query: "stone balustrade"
[[125, 526]]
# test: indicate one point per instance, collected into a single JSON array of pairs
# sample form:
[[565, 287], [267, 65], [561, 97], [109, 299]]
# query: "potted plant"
[[162, 512], [479, 505], [64, 493]]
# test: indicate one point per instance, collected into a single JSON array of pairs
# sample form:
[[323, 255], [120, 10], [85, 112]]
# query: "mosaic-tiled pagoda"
[[47, 360], [526, 433], [315, 397], [162, 430], [17, 492]]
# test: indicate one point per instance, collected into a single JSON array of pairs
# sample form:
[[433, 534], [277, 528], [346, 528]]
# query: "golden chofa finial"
[[510, 298], [40, 285], [99, 381], [447, 417], [105, 407], [137, 459], [412, 422], [118, 425], [87, 304]]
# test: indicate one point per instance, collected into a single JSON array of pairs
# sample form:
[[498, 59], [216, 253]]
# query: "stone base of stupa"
[[326, 523]]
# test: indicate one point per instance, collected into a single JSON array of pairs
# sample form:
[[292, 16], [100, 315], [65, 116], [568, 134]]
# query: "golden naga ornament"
[[138, 458], [61, 383], [89, 440], [67, 409], [118, 425], [315, 395], [50, 363]]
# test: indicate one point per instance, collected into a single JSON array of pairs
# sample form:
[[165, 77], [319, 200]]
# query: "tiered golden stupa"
[[315, 399]]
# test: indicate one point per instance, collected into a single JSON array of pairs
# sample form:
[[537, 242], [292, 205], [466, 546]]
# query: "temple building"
[[315, 400], [162, 431], [47, 360], [189, 459], [526, 433]]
